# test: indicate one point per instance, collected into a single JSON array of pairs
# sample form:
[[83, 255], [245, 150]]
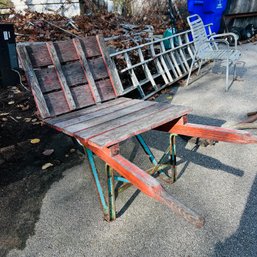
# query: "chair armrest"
[[219, 41], [226, 34]]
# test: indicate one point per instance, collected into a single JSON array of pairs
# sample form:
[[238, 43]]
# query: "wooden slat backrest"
[[68, 75]]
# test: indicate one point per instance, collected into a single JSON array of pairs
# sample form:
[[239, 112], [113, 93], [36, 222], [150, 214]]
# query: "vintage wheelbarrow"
[[75, 90]]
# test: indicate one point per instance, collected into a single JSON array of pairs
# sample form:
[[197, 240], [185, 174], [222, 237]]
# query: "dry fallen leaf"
[[48, 152], [27, 119], [47, 165], [11, 102], [24, 107], [35, 141], [4, 113]]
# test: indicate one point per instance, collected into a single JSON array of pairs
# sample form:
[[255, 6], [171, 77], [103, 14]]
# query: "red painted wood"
[[105, 89], [66, 51], [214, 133], [98, 68], [82, 96], [91, 47], [48, 79], [39, 55], [56, 103], [74, 73]]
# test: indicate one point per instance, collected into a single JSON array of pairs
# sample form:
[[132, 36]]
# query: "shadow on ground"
[[160, 140], [23, 185], [243, 242]]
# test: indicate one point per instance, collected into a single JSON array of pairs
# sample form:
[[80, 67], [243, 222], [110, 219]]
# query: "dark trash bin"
[[8, 60]]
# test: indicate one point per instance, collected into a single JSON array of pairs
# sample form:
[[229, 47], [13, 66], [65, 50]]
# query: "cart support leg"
[[111, 193], [97, 183], [173, 157]]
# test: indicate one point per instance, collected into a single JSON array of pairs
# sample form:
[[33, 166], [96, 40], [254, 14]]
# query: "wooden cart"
[[75, 90]]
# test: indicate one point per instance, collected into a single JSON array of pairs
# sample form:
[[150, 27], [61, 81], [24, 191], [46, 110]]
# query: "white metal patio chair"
[[210, 48]]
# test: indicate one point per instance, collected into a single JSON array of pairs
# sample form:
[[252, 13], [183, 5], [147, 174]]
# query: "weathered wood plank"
[[87, 70], [78, 113], [66, 51], [57, 103], [62, 79], [120, 121], [82, 96], [32, 79], [39, 55], [98, 68], [48, 79], [74, 73], [90, 47], [105, 89], [138, 127], [110, 66], [92, 121], [214, 133], [93, 115]]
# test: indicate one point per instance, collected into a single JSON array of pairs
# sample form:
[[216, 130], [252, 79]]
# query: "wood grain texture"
[[91, 109], [66, 51], [39, 55], [121, 121], [110, 66], [98, 68], [57, 103], [33, 82], [61, 77], [74, 73], [82, 96], [90, 46], [94, 121], [86, 69], [150, 122], [48, 79], [105, 89], [93, 115]]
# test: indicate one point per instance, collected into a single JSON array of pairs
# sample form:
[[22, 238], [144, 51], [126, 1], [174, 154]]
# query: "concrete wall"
[[66, 8]]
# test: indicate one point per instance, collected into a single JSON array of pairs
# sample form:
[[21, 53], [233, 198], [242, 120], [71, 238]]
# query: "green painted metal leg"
[[173, 156], [111, 193], [97, 183], [165, 177]]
